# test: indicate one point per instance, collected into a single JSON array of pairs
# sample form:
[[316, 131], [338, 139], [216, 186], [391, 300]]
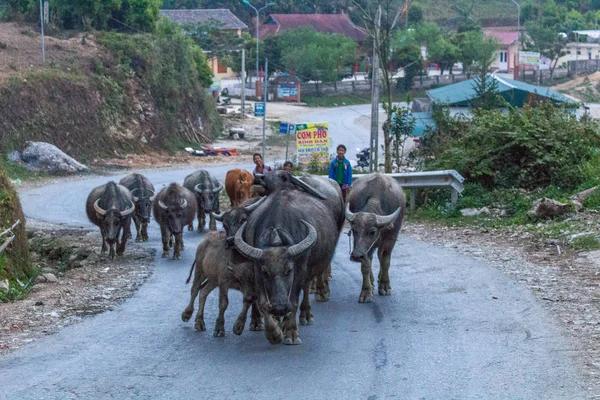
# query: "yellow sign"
[[312, 141]]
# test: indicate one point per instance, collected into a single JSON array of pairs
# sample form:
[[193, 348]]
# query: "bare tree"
[[381, 31]]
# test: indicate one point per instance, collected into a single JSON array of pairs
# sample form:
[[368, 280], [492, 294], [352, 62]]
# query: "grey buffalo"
[[233, 218], [219, 266], [174, 207], [206, 188], [291, 237], [110, 207], [143, 194], [375, 210]]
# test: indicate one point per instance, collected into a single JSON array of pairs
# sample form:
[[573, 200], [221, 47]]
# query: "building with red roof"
[[324, 23], [506, 55]]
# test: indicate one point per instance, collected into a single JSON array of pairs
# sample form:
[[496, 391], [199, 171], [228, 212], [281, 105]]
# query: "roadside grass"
[[16, 171], [575, 231], [354, 99]]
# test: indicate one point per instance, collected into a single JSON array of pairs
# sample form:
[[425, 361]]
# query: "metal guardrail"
[[10, 238], [419, 180]]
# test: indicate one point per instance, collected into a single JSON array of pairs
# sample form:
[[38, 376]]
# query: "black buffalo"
[[375, 210], [206, 189], [143, 193], [174, 207], [110, 207]]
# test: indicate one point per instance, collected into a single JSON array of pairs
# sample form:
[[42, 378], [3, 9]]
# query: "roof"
[[594, 34], [324, 23], [514, 92], [226, 18], [505, 38]]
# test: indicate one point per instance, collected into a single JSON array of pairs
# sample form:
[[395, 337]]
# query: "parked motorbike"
[[362, 157]]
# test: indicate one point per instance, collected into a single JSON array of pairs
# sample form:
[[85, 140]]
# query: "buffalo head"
[[366, 228], [207, 196], [275, 266], [143, 204], [277, 180], [112, 220], [174, 214], [233, 219]]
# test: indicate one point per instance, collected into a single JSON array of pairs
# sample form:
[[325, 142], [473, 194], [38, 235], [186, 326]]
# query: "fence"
[[583, 67], [542, 76], [9, 239]]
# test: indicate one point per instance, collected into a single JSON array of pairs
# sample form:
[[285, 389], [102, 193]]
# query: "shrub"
[[527, 148]]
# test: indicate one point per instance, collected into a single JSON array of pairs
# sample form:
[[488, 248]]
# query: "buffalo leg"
[[204, 292], [212, 224], [240, 322], [111, 251], [223, 304], [383, 281], [138, 226], [144, 231], [104, 244], [255, 319], [198, 279], [306, 316], [166, 239], [290, 326], [126, 235], [366, 294], [272, 330], [322, 292], [178, 246]]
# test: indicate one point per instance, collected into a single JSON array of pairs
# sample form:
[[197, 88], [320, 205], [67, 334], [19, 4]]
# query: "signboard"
[[544, 63], [287, 92], [312, 140], [529, 59], [287, 129], [259, 109]]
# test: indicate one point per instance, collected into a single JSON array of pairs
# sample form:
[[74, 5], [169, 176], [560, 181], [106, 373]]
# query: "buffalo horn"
[[197, 189], [152, 195], [135, 199], [308, 188], [251, 207], [133, 190], [162, 205], [248, 251], [98, 209], [383, 220], [183, 203], [128, 211], [218, 217], [349, 214], [306, 244], [218, 188]]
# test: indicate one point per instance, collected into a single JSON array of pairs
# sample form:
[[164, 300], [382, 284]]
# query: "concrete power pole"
[[42, 26], [374, 147], [243, 88], [265, 97]]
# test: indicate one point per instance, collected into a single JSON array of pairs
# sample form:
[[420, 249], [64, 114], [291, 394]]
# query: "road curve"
[[454, 328]]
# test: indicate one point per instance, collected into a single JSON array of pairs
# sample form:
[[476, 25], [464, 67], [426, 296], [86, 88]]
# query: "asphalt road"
[[454, 328]]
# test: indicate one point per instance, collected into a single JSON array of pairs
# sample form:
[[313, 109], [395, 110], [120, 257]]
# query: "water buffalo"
[[291, 238], [219, 266], [173, 208], [110, 207], [143, 194], [233, 218], [206, 188], [321, 187], [375, 210], [238, 185]]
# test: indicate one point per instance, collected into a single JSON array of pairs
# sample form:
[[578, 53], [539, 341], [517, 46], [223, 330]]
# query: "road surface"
[[454, 328]]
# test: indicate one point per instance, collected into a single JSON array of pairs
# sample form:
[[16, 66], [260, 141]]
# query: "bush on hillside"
[[14, 261], [123, 15], [528, 148]]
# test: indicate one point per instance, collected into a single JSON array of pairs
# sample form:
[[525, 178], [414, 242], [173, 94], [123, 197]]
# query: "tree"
[[407, 56], [476, 51], [547, 40], [415, 14], [485, 86], [444, 53], [381, 19], [401, 128]]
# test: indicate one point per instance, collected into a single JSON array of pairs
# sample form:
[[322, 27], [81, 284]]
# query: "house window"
[[222, 68]]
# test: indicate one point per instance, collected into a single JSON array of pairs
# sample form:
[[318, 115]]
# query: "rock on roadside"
[[41, 156]]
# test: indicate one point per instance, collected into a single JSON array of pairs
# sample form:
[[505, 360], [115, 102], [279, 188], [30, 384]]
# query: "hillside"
[[102, 96]]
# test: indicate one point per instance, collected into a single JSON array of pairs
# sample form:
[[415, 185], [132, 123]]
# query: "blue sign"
[[259, 109], [287, 129]]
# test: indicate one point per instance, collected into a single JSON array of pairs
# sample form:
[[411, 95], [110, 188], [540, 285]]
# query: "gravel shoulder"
[[567, 283]]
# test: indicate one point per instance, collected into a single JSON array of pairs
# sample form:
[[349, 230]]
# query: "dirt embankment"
[[94, 102]]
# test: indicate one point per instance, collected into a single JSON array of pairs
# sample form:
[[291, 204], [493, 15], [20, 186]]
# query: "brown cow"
[[238, 185]]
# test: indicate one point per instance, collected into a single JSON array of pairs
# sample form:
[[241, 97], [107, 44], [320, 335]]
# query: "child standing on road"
[[340, 170]]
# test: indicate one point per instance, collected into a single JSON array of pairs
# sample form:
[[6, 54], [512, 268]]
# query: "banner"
[[312, 140], [529, 58], [287, 92]]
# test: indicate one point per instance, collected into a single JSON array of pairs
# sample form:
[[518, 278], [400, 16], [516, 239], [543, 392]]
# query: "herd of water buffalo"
[[275, 245]]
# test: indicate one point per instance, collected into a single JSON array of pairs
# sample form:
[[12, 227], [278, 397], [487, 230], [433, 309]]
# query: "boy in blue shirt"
[[340, 170]]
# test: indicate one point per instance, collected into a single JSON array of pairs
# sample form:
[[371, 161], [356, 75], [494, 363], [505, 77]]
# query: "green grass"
[[16, 171], [586, 242], [354, 99]]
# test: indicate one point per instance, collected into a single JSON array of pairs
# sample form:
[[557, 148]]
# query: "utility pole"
[[243, 88], [265, 85], [374, 147], [42, 25]]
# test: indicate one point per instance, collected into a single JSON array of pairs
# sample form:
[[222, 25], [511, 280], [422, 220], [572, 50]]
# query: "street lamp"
[[518, 24], [246, 2]]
